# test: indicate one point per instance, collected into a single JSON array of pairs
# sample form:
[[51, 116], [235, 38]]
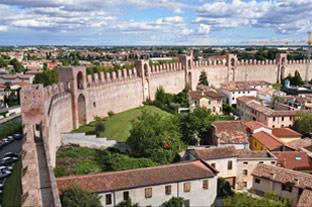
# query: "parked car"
[[4, 173], [9, 160], [11, 154], [7, 141], [2, 143], [10, 138], [17, 136], [10, 168]]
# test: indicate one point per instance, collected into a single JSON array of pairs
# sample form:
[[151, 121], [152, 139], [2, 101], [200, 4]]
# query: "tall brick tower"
[[75, 81], [281, 61], [143, 71], [187, 65], [231, 61]]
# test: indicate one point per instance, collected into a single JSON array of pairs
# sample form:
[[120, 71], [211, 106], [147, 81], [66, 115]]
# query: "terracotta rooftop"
[[268, 140], [196, 95], [213, 152], [283, 175], [285, 132], [230, 132], [111, 181], [253, 125], [301, 143], [244, 85], [295, 160], [244, 153], [305, 199]]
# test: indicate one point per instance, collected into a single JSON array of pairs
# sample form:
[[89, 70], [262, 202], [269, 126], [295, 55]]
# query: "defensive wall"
[[47, 112]]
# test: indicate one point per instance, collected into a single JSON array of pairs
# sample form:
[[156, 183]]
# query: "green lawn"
[[118, 126], [10, 127], [12, 190]]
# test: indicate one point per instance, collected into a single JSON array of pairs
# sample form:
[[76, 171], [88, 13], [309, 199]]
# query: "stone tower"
[[75, 81], [143, 71], [187, 65], [231, 61], [281, 61]]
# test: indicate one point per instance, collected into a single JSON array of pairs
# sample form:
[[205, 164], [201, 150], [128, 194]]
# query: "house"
[[286, 134], [267, 94], [235, 89], [194, 181], [294, 160], [206, 98], [300, 144], [286, 183], [229, 133], [235, 166], [265, 141], [255, 126], [249, 108]]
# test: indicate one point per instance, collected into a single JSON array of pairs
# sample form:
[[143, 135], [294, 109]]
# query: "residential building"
[[195, 181], [229, 133], [267, 94], [235, 166], [249, 108], [286, 183], [233, 90], [286, 134], [206, 98], [294, 160], [265, 141]]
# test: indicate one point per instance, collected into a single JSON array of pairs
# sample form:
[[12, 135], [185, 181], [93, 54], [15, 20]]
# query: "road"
[[15, 146]]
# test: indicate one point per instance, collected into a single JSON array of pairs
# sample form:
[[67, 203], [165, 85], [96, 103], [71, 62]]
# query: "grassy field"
[[118, 126], [74, 160], [12, 191]]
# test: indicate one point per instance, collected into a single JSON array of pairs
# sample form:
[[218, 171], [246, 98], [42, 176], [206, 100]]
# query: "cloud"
[[285, 16], [3, 28]]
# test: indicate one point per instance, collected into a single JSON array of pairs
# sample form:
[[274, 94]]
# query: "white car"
[[4, 173]]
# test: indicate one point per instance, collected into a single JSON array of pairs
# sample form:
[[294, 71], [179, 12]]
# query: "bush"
[[224, 188], [174, 202], [127, 203], [77, 197], [110, 113]]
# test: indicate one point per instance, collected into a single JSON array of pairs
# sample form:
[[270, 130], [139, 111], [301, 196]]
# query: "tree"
[[46, 78], [245, 200], [203, 79], [303, 124], [74, 196], [195, 126], [156, 137], [127, 203], [18, 67], [224, 188], [174, 202]]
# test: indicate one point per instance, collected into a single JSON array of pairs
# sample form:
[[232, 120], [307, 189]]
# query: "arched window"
[[189, 64], [80, 80], [232, 62]]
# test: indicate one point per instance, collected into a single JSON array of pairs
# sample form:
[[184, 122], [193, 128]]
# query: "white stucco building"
[[195, 181]]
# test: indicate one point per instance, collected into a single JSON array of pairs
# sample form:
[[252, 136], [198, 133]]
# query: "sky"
[[154, 22]]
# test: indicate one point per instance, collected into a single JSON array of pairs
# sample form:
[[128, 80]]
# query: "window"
[[273, 126], [257, 180], [245, 163], [108, 199], [261, 162], [187, 187], [168, 189], [245, 184], [213, 165], [205, 184], [282, 118], [230, 165], [272, 162], [245, 172], [94, 104], [148, 192], [286, 188], [273, 118], [126, 195]]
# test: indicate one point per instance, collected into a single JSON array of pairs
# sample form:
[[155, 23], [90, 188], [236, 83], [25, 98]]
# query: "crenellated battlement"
[[53, 90]]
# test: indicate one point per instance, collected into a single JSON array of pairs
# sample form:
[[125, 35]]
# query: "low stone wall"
[[84, 140]]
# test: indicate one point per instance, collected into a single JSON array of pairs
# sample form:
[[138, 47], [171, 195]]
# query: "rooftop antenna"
[[309, 56]]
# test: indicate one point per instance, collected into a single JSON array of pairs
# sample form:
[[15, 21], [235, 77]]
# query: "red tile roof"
[[213, 152], [268, 140], [253, 125], [245, 99], [230, 132], [112, 181], [295, 160], [301, 143], [305, 199], [285, 132], [283, 175]]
